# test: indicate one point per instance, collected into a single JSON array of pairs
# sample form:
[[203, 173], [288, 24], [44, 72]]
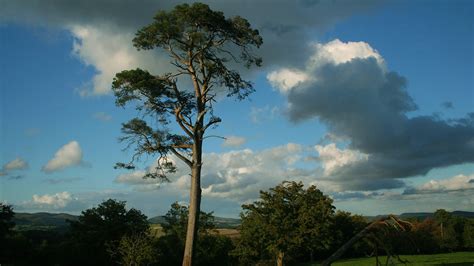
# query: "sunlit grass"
[[457, 258]]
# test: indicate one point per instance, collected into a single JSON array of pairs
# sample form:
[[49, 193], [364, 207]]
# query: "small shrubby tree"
[[134, 250], [202, 44], [287, 218]]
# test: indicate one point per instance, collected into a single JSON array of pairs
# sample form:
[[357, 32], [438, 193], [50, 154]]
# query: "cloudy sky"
[[373, 102]]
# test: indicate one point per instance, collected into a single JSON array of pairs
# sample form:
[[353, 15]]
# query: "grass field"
[[457, 259], [157, 231]]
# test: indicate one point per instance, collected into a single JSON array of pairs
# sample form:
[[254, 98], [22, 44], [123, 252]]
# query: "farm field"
[[457, 258], [157, 231]]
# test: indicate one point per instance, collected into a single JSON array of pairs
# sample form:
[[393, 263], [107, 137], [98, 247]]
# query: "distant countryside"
[[279, 228], [236, 132]]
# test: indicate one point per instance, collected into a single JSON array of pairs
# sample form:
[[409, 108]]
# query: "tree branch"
[[181, 157]]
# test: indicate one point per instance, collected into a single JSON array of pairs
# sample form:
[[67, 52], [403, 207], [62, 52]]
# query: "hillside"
[[221, 222], [44, 220]]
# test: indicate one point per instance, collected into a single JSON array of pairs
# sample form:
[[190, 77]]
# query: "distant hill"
[[221, 222], [42, 220], [424, 215], [47, 221], [157, 220]]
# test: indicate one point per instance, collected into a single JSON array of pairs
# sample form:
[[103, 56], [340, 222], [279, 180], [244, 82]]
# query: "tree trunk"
[[194, 205], [336, 255], [280, 257]]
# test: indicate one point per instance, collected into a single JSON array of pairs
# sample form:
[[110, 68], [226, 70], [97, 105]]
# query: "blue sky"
[[370, 101]]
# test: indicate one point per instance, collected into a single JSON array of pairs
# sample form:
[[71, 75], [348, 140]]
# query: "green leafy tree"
[[177, 219], [6, 226], [424, 235], [468, 234], [203, 45], [447, 237], [101, 227], [286, 218], [345, 226], [211, 249], [6, 223]]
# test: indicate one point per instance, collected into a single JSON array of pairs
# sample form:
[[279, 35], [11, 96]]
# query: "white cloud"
[[338, 52], [58, 200], [285, 79], [240, 175], [233, 141], [334, 52], [68, 155], [455, 183], [102, 116], [235, 175], [109, 52], [17, 164], [333, 158]]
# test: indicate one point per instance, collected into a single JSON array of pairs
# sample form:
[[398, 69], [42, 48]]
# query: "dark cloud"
[[361, 102], [285, 25]]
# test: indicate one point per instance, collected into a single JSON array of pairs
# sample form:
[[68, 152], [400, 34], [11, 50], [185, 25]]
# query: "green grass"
[[458, 259]]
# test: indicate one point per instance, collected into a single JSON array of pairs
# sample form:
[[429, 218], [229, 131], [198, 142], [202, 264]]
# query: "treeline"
[[109, 234], [287, 225]]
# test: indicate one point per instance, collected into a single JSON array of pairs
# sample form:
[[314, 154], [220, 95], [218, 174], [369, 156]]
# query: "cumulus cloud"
[[103, 32], [233, 141], [332, 157], [109, 52], [67, 156], [285, 79], [455, 183], [16, 164], [237, 175], [58, 200], [351, 91]]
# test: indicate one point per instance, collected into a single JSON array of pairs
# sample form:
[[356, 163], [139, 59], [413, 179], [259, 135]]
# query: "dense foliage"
[[109, 234], [103, 227], [287, 221]]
